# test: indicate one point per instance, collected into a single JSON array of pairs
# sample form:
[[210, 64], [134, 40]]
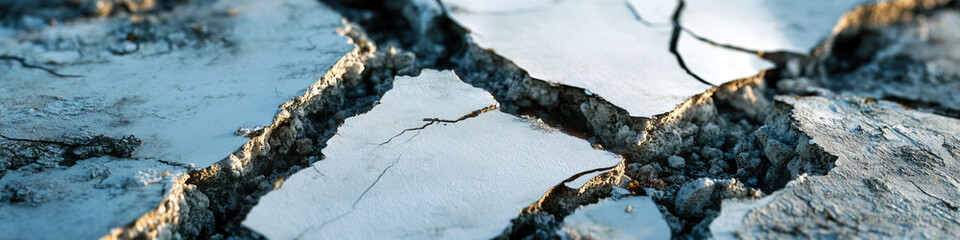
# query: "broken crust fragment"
[[894, 177], [183, 110], [293, 141], [626, 218], [461, 178]]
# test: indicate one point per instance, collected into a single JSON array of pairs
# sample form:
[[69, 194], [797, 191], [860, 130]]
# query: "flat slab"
[[184, 104], [766, 25], [390, 174], [626, 218], [182, 82], [596, 45], [718, 65], [895, 177]]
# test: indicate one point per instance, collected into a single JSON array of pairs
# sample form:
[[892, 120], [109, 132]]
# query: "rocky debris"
[[675, 161], [694, 197], [625, 218], [234, 185], [721, 150], [907, 56], [893, 176], [438, 150], [705, 130]]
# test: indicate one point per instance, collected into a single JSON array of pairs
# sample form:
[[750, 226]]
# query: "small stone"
[[715, 169], [778, 153], [694, 198], [719, 164], [649, 171], [711, 153], [675, 161], [711, 135]]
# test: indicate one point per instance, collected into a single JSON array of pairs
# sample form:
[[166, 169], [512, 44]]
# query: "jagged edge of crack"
[[212, 201], [431, 121], [23, 62], [572, 108], [871, 18]]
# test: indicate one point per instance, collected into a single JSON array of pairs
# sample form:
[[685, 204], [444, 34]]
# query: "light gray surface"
[[462, 180], [596, 45], [230, 66], [766, 25], [627, 218]]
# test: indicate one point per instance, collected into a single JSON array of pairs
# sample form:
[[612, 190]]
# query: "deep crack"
[[431, 121], [675, 39], [636, 14], [23, 62], [353, 206]]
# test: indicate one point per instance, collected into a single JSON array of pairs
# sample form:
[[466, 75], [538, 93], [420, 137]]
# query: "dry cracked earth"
[[459, 119]]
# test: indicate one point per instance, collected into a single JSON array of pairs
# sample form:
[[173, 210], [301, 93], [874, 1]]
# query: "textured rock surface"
[[894, 176], [114, 109], [463, 179], [182, 82], [913, 61]]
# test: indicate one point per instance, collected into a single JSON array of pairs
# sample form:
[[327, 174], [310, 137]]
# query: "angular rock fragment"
[[626, 218], [181, 82], [894, 177], [434, 159]]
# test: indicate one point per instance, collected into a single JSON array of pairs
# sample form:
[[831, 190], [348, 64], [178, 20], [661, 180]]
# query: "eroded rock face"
[[893, 176], [434, 159], [911, 61]]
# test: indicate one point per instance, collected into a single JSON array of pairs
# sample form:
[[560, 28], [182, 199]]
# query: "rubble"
[[893, 176], [697, 119]]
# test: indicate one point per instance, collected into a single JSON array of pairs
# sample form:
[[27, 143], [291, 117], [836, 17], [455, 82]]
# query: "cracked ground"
[[458, 119]]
